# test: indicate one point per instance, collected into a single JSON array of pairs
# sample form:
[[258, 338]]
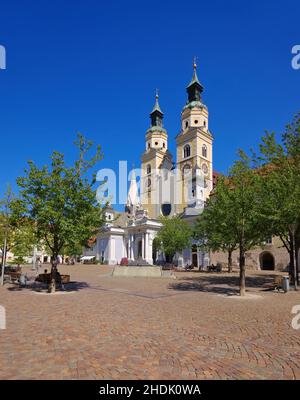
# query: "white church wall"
[[103, 249], [119, 249], [187, 256]]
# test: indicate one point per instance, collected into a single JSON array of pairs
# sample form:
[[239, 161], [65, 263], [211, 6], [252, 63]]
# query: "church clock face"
[[205, 168]]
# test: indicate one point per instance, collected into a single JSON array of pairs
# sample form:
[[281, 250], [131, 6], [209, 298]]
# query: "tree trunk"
[[52, 284], [297, 263], [229, 260], [242, 272], [293, 263]]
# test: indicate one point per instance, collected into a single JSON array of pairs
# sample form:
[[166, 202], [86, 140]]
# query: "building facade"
[[172, 187]]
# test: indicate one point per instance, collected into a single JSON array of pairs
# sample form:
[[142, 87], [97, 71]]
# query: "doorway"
[[139, 249], [195, 260], [267, 262]]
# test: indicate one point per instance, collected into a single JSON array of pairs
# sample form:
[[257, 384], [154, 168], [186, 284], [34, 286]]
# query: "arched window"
[[186, 169], [204, 151], [148, 169], [186, 151], [186, 124], [166, 209]]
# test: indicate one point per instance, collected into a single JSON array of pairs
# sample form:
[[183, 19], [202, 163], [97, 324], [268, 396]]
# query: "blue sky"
[[93, 66]]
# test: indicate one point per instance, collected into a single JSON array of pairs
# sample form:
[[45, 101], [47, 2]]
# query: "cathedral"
[[167, 188]]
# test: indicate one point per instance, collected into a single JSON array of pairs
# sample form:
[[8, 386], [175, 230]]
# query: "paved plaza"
[[192, 327]]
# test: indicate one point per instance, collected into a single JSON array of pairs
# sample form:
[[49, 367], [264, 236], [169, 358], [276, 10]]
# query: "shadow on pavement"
[[40, 287], [222, 284]]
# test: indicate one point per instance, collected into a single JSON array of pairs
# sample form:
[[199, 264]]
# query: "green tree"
[[213, 229], [174, 236], [234, 211], [279, 171], [61, 201], [6, 228], [15, 234]]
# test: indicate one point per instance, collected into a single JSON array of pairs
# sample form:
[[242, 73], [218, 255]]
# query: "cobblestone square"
[[192, 327]]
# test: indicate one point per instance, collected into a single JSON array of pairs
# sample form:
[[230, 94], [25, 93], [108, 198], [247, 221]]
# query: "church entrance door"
[[195, 260], [139, 249]]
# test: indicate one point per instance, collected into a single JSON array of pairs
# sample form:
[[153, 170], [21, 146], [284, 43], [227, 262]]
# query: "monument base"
[[143, 272]]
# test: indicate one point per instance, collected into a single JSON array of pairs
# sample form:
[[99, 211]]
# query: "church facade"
[[173, 187], [167, 188]]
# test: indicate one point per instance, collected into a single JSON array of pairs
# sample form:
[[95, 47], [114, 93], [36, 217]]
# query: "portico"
[[140, 236]]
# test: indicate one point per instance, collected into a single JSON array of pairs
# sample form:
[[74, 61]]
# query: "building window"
[[148, 182], [156, 143], [186, 124], [148, 145], [186, 169], [166, 209], [204, 123], [148, 169], [186, 151], [269, 240], [204, 151], [196, 121], [164, 144]]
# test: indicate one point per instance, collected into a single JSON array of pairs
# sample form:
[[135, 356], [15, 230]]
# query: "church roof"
[[194, 79], [156, 106], [195, 104], [121, 220], [156, 129]]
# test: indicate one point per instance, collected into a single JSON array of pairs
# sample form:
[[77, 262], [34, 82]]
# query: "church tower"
[[156, 154], [194, 146]]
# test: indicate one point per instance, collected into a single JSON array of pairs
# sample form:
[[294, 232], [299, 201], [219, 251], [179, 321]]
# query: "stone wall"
[[254, 257]]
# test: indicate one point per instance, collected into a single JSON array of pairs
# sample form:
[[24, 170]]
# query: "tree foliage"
[[174, 236], [231, 217], [213, 229], [19, 233], [279, 171], [61, 201]]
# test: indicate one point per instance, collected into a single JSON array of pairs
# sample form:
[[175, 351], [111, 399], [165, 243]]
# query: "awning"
[[87, 258]]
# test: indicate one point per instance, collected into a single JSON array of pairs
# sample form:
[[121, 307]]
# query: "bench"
[[46, 278], [214, 268], [14, 276]]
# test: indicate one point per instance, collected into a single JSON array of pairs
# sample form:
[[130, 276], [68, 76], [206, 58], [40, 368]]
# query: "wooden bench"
[[46, 278], [14, 276], [214, 268]]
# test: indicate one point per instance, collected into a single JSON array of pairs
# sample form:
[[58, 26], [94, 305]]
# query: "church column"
[[143, 246], [146, 246], [109, 249], [130, 246]]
